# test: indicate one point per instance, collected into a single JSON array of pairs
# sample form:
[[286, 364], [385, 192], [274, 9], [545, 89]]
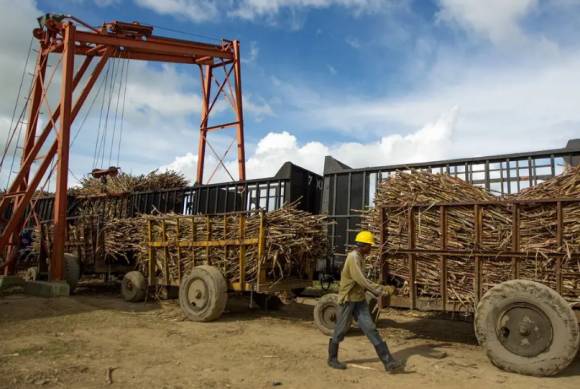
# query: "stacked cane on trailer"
[[537, 232]]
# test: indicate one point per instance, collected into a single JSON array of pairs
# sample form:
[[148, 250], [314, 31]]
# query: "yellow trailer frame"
[[261, 284]]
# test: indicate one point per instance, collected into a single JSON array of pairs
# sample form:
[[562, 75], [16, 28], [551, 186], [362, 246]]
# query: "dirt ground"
[[96, 340]]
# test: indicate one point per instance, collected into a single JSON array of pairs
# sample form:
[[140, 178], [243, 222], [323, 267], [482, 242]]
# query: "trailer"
[[527, 325], [85, 254], [205, 267], [347, 190], [83, 248]]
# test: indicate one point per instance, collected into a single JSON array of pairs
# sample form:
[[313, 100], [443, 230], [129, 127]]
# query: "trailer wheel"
[[325, 313], [72, 270], [527, 328], [203, 294], [134, 286]]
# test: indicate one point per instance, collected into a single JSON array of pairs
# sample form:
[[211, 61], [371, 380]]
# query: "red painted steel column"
[[36, 99], [57, 259], [203, 127], [239, 113]]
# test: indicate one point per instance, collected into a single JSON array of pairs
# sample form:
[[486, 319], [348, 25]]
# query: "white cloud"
[[431, 142], [98, 3], [208, 10], [164, 91], [496, 20], [259, 108], [107, 3], [16, 33], [194, 10], [186, 164], [353, 42], [253, 53], [528, 105], [332, 70], [251, 9]]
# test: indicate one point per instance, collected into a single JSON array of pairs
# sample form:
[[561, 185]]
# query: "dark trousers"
[[360, 312]]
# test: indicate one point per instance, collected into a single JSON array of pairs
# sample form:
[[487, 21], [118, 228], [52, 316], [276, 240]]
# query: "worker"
[[352, 304]]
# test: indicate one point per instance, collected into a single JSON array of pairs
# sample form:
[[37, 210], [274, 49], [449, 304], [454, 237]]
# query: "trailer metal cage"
[[290, 183], [347, 190]]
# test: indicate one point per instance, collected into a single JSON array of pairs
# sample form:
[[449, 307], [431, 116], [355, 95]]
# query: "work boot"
[[389, 362], [333, 356]]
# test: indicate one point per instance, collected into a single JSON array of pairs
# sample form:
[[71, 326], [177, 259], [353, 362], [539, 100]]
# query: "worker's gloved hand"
[[389, 290], [385, 290]]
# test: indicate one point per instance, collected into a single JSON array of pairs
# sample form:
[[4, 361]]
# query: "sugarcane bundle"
[[539, 234], [538, 226], [294, 239], [104, 207], [122, 238], [128, 183]]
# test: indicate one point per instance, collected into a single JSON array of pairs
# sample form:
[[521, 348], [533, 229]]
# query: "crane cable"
[[97, 141], [110, 100], [120, 85], [108, 119], [12, 131], [104, 119], [45, 85], [123, 110]]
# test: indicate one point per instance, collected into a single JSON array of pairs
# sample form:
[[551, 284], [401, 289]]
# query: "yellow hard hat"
[[365, 237]]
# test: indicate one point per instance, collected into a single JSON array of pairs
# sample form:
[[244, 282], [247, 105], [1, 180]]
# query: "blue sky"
[[371, 82]]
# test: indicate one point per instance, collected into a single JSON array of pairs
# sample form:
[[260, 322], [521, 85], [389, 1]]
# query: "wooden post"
[[193, 237], [261, 247], [242, 252], [560, 239], [177, 230], [382, 249], [165, 252], [478, 219], [207, 238], [151, 252], [442, 258], [515, 240], [412, 259]]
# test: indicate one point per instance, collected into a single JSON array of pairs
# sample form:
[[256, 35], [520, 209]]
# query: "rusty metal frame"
[[58, 35], [478, 254]]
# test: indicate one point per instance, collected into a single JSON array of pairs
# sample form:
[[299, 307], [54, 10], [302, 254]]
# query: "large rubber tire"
[[134, 286], [527, 328], [203, 294], [325, 313], [72, 270]]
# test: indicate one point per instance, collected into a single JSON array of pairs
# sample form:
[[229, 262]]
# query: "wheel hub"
[[198, 294], [524, 330], [329, 316]]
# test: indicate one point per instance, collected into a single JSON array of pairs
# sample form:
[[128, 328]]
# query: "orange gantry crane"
[[69, 37]]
